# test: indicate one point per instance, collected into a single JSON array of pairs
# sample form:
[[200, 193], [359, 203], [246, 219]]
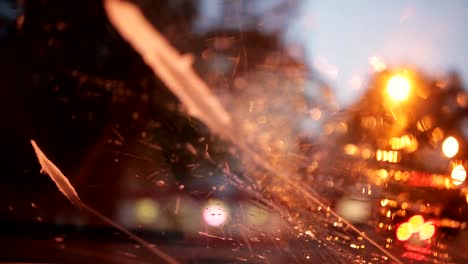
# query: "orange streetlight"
[[398, 88]]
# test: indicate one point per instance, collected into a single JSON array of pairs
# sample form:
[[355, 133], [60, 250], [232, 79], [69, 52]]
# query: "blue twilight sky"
[[340, 36]]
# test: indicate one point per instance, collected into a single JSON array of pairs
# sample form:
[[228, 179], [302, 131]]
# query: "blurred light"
[[215, 213], [445, 222], [404, 205], [354, 210], [377, 64], [366, 153], [315, 113], [405, 176], [350, 149], [404, 231], [416, 222], [427, 231], [398, 88], [437, 134], [450, 147], [384, 202], [458, 174], [389, 156], [379, 155], [425, 124], [398, 175], [407, 142], [146, 211], [383, 174], [369, 122]]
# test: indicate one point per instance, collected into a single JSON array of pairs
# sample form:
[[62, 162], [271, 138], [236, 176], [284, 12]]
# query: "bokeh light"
[[350, 149], [377, 64], [427, 231], [404, 232], [398, 88], [146, 210], [416, 223], [450, 147], [215, 213], [354, 209], [458, 174]]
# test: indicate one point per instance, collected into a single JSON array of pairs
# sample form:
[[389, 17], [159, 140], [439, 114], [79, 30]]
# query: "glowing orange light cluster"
[[398, 88], [387, 155], [350, 149], [415, 225], [407, 142]]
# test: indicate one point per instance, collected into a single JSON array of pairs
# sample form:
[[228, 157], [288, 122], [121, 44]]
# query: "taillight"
[[415, 224], [427, 231], [404, 231]]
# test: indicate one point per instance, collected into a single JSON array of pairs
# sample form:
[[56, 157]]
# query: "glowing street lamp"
[[450, 147], [398, 88]]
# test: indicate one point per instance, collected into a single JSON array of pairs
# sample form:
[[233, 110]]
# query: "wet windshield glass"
[[233, 132]]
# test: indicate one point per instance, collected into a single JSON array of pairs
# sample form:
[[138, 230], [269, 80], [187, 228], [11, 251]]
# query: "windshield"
[[233, 131]]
